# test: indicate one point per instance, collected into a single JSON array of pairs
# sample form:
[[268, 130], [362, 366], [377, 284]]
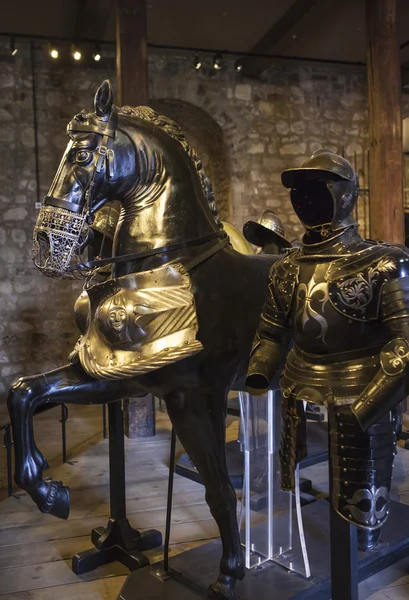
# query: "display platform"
[[317, 443], [198, 568]]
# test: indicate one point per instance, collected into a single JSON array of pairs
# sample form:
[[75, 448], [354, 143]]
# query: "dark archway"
[[206, 137]]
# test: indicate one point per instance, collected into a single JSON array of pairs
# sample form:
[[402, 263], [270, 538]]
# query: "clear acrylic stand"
[[270, 519]]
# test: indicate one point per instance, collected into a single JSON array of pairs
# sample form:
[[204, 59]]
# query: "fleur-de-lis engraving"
[[305, 312], [394, 359], [378, 505]]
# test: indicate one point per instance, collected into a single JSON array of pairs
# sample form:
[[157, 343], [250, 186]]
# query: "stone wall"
[[272, 125], [249, 131], [37, 329]]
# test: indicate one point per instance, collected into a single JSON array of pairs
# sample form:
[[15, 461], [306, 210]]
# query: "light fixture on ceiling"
[[197, 62], [217, 62], [13, 48], [96, 55], [54, 53], [238, 65], [76, 54]]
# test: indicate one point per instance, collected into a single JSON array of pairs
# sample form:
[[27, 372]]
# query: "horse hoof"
[[57, 500], [223, 588]]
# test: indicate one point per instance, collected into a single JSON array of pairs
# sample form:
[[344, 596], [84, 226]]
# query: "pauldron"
[[137, 323], [354, 282], [283, 279]]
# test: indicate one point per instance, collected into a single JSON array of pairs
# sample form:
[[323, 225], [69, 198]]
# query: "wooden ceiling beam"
[[253, 67], [92, 18]]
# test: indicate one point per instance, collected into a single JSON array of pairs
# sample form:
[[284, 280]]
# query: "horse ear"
[[103, 99]]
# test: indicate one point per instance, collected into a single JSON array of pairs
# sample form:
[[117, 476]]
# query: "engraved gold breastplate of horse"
[[137, 323]]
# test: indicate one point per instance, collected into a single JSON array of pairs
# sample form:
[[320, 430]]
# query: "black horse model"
[[174, 277]]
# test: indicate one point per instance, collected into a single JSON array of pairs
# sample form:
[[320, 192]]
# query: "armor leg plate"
[[361, 467]]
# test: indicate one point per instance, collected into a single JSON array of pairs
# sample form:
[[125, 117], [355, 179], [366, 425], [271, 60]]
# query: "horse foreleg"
[[199, 422], [66, 385]]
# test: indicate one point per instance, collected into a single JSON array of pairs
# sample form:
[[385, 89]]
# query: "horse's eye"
[[83, 156]]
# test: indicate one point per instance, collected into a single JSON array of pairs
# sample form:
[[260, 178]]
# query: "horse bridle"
[[104, 164], [104, 170]]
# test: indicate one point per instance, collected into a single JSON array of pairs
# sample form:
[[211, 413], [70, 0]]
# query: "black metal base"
[[197, 568], [117, 542]]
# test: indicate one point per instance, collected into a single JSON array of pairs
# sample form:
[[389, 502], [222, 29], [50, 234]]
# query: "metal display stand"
[[118, 541], [197, 568], [335, 565]]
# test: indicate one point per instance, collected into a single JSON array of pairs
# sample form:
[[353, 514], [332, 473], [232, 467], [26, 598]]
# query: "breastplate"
[[325, 314], [137, 323]]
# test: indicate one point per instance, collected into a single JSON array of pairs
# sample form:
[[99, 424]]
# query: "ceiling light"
[[13, 48], [54, 52], [217, 62], [197, 63], [97, 54], [76, 54], [238, 65]]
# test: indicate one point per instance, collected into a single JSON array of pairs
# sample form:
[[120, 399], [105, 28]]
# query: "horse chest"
[[137, 323]]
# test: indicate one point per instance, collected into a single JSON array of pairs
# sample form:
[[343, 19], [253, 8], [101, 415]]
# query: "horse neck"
[[178, 214]]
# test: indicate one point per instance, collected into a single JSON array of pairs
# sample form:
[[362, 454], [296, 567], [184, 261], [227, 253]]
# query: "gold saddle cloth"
[[137, 323]]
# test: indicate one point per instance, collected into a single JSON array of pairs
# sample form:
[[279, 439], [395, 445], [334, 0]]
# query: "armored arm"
[[389, 384], [270, 342]]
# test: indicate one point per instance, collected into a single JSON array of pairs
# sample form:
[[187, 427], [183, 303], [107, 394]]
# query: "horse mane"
[[175, 131]]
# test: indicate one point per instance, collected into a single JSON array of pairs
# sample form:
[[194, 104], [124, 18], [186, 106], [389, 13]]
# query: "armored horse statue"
[[175, 317]]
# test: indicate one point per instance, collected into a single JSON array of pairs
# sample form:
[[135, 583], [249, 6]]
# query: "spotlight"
[[76, 54], [217, 62], [97, 53], [13, 48], [238, 65], [197, 63], [54, 52]]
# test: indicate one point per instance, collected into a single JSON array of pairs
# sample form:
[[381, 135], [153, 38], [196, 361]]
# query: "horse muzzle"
[[58, 238]]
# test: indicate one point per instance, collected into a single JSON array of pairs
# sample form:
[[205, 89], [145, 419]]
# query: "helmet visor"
[[313, 203]]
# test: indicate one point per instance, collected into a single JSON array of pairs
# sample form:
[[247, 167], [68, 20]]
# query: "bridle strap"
[[50, 201], [207, 253], [91, 129], [162, 250]]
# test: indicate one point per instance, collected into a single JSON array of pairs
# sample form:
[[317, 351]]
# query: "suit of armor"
[[344, 301]]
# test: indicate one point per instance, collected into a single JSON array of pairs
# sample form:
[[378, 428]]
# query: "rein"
[[169, 248]]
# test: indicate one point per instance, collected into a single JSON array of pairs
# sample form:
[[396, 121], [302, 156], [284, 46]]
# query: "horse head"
[[128, 154]]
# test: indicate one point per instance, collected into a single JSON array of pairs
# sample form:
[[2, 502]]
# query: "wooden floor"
[[35, 549]]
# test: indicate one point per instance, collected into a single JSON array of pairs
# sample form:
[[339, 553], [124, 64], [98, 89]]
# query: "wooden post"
[[385, 123], [131, 52], [132, 76], [139, 416]]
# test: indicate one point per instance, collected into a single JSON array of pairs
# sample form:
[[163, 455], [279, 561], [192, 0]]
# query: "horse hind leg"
[[199, 422]]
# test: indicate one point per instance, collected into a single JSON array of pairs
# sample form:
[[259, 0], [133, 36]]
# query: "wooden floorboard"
[[36, 549], [100, 589]]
